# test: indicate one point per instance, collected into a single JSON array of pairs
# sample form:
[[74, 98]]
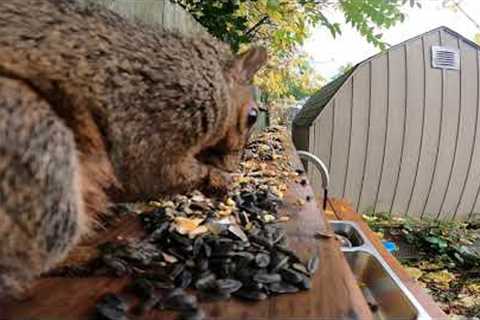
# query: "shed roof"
[[317, 102]]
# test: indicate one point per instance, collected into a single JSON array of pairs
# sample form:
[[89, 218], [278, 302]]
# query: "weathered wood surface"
[[342, 210], [334, 293]]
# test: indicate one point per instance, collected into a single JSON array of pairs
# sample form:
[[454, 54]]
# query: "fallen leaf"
[[186, 225], [414, 272], [440, 278], [197, 231]]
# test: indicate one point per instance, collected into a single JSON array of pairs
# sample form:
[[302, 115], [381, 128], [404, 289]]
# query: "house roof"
[[317, 102]]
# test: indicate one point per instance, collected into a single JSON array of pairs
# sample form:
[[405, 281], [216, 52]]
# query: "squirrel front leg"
[[189, 173]]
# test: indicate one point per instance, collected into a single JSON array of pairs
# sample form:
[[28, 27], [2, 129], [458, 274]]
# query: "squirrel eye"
[[252, 115]]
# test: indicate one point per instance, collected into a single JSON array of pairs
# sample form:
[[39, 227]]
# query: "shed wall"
[[402, 137]]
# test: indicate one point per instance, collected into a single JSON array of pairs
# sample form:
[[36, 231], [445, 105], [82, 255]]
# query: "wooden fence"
[[161, 13]]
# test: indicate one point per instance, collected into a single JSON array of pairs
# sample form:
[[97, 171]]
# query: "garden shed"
[[399, 131]]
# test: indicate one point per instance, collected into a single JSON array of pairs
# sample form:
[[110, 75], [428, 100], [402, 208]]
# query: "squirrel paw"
[[219, 182], [13, 289]]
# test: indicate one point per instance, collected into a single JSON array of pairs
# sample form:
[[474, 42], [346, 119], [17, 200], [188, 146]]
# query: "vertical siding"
[[403, 137], [446, 148], [341, 138], [431, 126], [324, 128], [465, 132], [358, 133], [469, 192], [376, 137], [321, 146], [394, 130], [414, 111]]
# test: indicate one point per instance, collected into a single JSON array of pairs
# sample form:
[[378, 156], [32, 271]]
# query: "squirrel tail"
[[42, 213]]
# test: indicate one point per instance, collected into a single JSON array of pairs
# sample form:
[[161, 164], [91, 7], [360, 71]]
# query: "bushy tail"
[[41, 208]]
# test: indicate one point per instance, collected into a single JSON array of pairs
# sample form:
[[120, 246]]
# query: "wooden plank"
[[433, 102], [334, 294], [344, 211]]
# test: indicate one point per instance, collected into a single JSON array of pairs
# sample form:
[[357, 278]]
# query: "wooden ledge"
[[334, 293]]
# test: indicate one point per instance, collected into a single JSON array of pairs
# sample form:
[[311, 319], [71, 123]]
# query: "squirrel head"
[[227, 152]]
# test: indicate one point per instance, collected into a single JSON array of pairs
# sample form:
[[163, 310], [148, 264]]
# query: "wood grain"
[[334, 293]]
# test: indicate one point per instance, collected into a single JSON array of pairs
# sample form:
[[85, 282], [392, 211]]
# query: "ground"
[[443, 257]]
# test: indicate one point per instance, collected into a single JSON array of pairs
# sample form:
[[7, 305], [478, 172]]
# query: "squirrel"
[[94, 109]]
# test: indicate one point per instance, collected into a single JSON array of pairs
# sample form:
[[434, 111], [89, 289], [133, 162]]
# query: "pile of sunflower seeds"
[[221, 248]]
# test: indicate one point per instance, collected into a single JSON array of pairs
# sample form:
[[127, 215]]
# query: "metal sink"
[[348, 232], [386, 295]]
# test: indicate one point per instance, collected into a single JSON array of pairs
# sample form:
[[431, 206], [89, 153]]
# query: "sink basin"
[[385, 298], [349, 232], [385, 293]]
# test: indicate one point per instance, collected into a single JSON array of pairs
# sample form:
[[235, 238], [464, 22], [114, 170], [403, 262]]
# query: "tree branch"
[[257, 25]]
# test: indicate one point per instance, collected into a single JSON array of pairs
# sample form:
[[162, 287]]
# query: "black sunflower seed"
[[291, 276], [262, 260], [176, 271], [300, 268], [279, 262], [250, 295], [111, 307], [179, 300], [227, 285], [183, 280], [282, 287], [312, 264], [142, 288], [267, 277], [206, 282]]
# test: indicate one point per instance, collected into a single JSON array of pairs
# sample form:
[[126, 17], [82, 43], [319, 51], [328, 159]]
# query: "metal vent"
[[445, 58]]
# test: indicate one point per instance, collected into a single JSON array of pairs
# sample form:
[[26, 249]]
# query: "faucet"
[[322, 168]]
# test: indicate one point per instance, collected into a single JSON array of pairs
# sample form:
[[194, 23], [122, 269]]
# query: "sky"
[[329, 54]]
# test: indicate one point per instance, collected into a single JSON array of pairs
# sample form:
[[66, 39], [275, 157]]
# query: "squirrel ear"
[[247, 64]]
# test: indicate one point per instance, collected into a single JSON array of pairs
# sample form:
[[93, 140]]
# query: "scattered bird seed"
[[282, 287], [267, 277], [234, 247], [111, 307], [312, 264]]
